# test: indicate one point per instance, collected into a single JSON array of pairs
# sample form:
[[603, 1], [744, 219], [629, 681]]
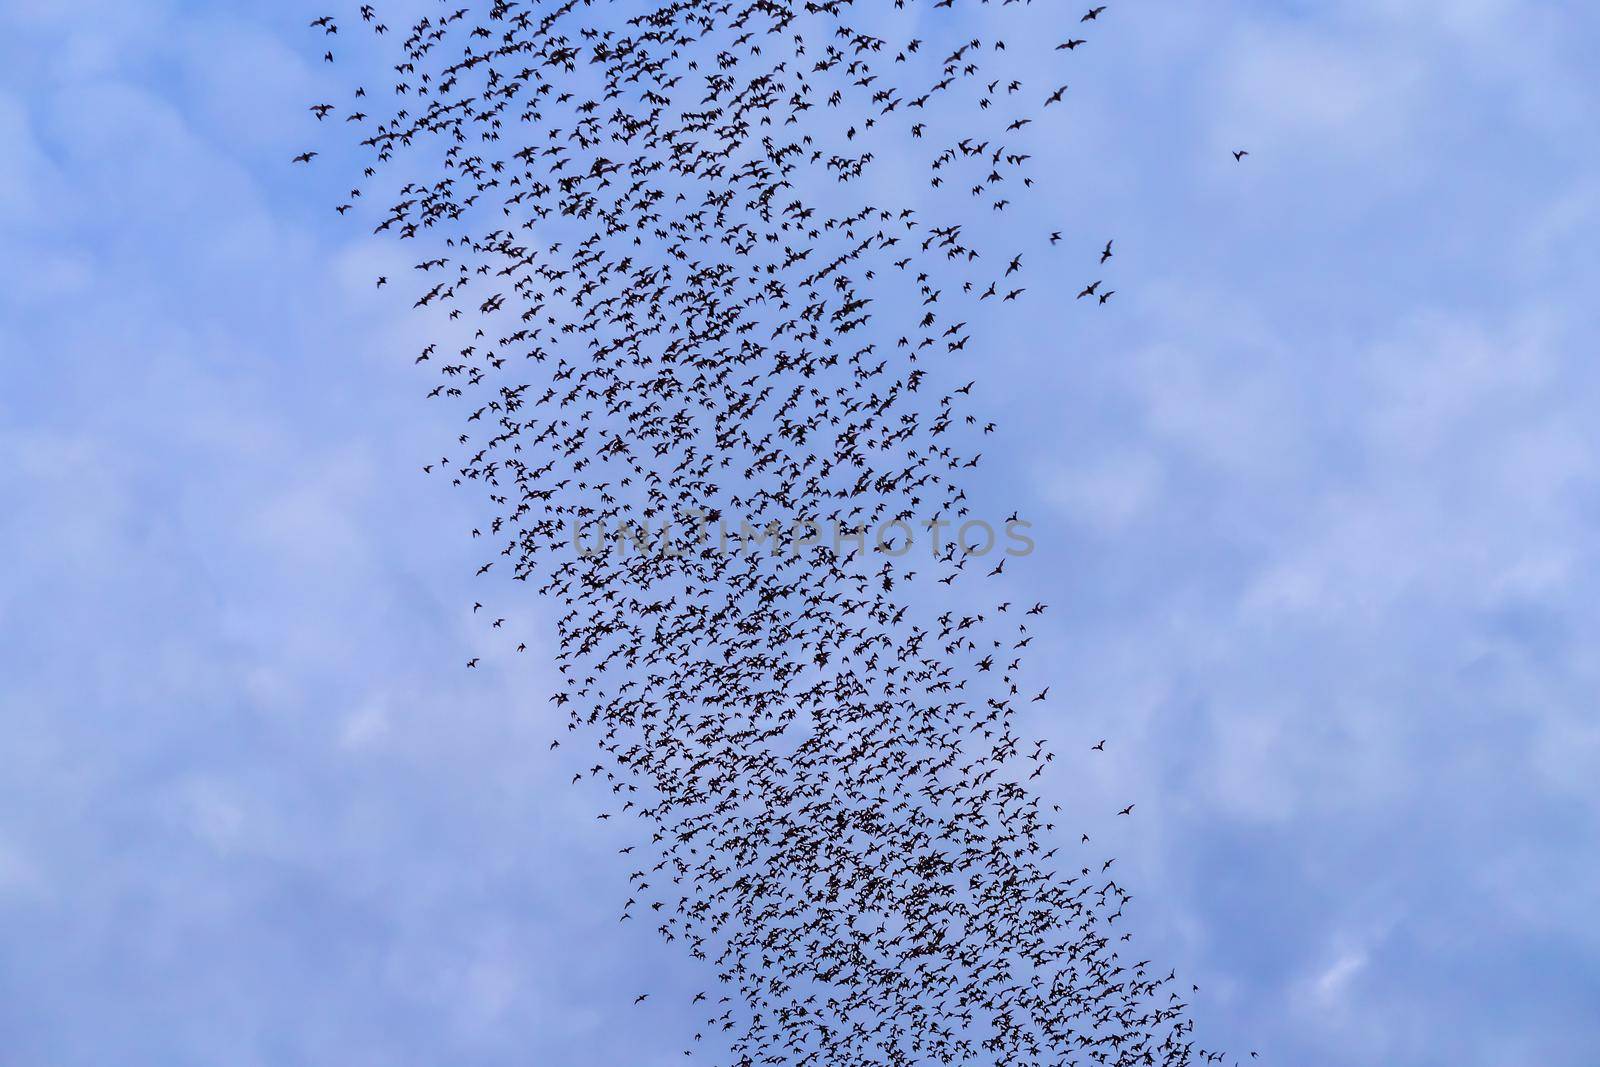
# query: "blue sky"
[[1316, 503]]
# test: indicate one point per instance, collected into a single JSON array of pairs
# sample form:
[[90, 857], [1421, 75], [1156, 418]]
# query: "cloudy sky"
[[1315, 496]]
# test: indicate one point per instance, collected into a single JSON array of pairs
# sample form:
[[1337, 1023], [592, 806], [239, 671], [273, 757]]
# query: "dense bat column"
[[693, 315]]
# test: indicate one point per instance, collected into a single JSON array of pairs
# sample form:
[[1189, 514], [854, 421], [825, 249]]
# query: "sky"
[[1315, 497]]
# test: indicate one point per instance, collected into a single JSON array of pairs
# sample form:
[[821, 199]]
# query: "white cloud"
[[1332, 985]]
